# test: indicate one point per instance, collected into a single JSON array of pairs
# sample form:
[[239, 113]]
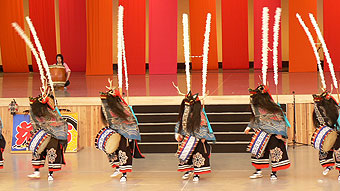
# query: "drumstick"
[[205, 149]]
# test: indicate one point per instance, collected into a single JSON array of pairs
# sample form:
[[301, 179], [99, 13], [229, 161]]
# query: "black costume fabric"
[[53, 153], [269, 117], [199, 162], [2, 149], [276, 153]]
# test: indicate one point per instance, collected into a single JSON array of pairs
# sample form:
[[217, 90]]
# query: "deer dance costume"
[[45, 116], [267, 117], [120, 118], [193, 126], [326, 113]]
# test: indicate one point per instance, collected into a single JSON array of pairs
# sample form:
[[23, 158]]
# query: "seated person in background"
[[60, 61]]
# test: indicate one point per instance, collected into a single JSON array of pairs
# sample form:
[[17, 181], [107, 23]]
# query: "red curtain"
[[331, 28], [13, 51], [162, 37], [99, 37], [258, 5], [301, 56], [72, 18], [235, 34], [198, 15], [134, 33], [42, 14]]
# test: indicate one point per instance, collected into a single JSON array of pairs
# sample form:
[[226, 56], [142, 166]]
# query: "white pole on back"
[[120, 51], [34, 51], [311, 40], [265, 22], [186, 49], [205, 54], [41, 52], [325, 49], [276, 43]]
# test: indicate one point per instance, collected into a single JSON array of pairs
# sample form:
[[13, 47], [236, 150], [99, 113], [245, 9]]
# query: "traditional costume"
[[119, 139], [326, 109], [193, 130], [326, 136], [2, 146], [268, 120], [270, 126], [49, 136]]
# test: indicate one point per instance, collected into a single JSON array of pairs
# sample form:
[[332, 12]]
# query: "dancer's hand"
[[203, 140], [279, 137], [178, 137]]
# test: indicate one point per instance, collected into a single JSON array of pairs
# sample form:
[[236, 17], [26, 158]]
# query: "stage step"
[[157, 124]]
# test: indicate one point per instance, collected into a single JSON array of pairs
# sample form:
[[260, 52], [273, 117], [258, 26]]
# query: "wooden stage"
[[88, 170]]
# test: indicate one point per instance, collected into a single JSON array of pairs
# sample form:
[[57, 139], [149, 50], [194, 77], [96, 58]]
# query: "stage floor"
[[89, 170], [219, 83]]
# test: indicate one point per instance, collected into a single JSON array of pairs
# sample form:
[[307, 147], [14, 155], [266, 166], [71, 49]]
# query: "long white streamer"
[[325, 49], [124, 57], [265, 21], [186, 49], [34, 51], [276, 43], [125, 65], [41, 52], [205, 53], [311, 40], [120, 51]]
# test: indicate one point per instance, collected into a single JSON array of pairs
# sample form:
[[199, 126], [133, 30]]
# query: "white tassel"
[[120, 47], [124, 57], [265, 21], [325, 49], [34, 51], [276, 43], [186, 49], [125, 65], [41, 51], [205, 53], [311, 40]]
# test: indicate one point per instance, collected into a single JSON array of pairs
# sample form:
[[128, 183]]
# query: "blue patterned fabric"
[[52, 123], [268, 122], [127, 128], [285, 117], [203, 132]]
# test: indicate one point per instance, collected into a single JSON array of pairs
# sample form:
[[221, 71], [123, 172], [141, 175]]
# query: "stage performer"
[[119, 138], [49, 136], [326, 114], [269, 141], [326, 109], [60, 62], [193, 132]]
